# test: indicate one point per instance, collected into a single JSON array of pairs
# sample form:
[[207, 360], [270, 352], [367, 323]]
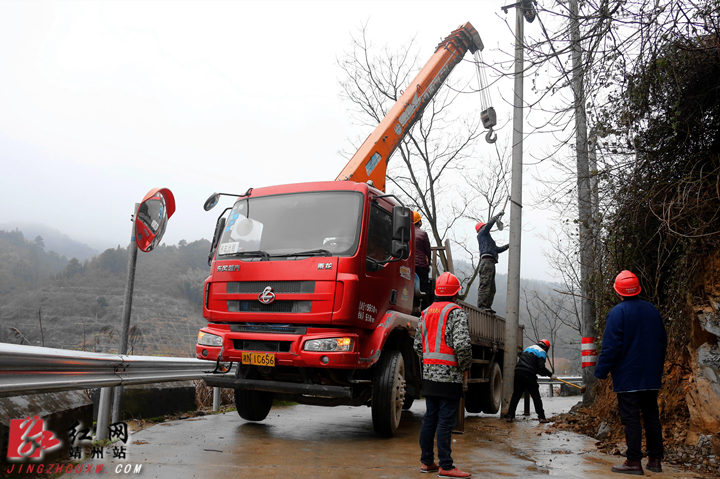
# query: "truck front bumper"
[[287, 348]]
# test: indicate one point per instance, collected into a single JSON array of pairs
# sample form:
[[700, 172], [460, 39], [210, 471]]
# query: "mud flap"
[[460, 420]]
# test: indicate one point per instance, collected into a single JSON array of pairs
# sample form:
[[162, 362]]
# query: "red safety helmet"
[[447, 284], [478, 226], [544, 343], [627, 284], [416, 217]]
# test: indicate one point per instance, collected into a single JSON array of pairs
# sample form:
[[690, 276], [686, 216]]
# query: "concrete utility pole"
[[589, 354], [127, 309], [513, 285]]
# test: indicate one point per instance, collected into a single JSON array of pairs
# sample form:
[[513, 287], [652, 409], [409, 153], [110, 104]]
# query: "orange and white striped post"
[[589, 353]]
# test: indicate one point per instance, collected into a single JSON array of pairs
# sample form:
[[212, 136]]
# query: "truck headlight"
[[207, 339], [329, 344]]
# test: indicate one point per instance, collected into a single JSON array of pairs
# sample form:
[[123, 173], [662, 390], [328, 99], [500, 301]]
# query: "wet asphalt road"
[[318, 442]]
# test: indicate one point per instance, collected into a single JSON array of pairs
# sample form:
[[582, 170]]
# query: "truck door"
[[387, 285]]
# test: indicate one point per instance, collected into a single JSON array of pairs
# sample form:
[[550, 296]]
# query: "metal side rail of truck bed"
[[487, 329]]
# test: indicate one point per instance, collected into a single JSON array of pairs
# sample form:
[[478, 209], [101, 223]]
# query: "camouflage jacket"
[[457, 337]]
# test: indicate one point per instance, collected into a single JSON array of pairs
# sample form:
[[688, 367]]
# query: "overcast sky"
[[102, 101]]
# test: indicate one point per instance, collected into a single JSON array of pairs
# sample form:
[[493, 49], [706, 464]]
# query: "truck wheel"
[[253, 405], [492, 391], [388, 394]]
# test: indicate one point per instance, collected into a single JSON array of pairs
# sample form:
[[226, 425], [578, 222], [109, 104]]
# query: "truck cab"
[[310, 285]]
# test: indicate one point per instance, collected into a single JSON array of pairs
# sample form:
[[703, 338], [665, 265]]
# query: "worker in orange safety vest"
[[442, 342]]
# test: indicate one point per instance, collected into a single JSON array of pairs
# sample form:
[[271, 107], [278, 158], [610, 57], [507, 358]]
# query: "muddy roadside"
[[306, 441]]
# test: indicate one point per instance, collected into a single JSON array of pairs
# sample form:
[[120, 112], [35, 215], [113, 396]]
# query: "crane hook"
[[491, 136]]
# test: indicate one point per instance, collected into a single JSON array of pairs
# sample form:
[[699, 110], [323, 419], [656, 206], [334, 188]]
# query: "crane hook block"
[[489, 118], [491, 136]]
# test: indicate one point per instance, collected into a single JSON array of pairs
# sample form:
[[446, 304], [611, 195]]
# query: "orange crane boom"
[[370, 161]]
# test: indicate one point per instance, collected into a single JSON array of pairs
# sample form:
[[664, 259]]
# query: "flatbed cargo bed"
[[488, 329]]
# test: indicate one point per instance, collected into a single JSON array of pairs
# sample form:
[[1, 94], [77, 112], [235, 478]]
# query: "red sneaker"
[[455, 472], [429, 468]]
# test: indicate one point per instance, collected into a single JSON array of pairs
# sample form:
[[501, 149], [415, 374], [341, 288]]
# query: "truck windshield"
[[306, 224]]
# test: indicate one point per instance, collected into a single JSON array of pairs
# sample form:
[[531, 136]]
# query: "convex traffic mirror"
[[152, 216]]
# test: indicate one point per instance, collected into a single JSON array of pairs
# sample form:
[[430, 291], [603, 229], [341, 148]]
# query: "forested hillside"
[[79, 304], [53, 239]]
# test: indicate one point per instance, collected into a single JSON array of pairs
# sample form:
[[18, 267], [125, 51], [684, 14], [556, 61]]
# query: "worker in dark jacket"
[[442, 342], [633, 351], [423, 255], [530, 363], [489, 252]]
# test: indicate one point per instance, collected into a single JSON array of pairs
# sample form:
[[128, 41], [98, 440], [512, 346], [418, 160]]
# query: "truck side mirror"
[[400, 249], [219, 228], [211, 202], [152, 217], [401, 223]]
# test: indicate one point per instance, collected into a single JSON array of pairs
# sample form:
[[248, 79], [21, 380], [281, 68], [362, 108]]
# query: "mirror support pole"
[[127, 307]]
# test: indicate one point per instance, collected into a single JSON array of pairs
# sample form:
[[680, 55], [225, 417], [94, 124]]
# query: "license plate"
[[259, 359]]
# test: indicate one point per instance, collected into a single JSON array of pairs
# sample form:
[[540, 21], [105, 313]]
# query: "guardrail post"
[[551, 388], [217, 392], [101, 431]]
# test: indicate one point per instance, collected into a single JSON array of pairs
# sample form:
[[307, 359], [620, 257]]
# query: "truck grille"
[[262, 346], [268, 328], [257, 287], [275, 307]]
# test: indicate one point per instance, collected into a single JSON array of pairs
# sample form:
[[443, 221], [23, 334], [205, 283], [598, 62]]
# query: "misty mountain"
[[50, 300], [53, 240]]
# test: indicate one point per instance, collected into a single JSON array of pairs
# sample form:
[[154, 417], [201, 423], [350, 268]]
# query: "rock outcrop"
[[703, 399]]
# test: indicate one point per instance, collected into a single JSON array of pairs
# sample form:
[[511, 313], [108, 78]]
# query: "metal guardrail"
[[571, 379], [33, 369]]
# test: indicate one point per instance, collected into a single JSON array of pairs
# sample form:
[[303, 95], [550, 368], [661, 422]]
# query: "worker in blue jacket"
[[530, 363], [633, 352], [489, 252]]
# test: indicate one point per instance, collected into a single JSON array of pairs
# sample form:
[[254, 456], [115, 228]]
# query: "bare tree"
[[430, 167], [546, 317]]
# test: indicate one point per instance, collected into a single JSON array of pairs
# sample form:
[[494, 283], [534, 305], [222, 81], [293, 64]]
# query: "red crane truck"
[[311, 289]]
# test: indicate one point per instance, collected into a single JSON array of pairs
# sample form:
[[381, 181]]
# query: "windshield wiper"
[[312, 252], [263, 254]]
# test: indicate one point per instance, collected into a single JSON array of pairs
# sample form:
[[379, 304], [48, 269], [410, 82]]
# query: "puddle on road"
[[527, 446]]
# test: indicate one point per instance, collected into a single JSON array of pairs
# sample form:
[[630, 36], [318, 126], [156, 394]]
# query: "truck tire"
[[253, 405], [388, 394], [491, 392]]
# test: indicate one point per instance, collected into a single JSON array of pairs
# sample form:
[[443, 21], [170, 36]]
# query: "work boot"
[[429, 468], [654, 464], [629, 467], [508, 418], [543, 420], [454, 472]]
